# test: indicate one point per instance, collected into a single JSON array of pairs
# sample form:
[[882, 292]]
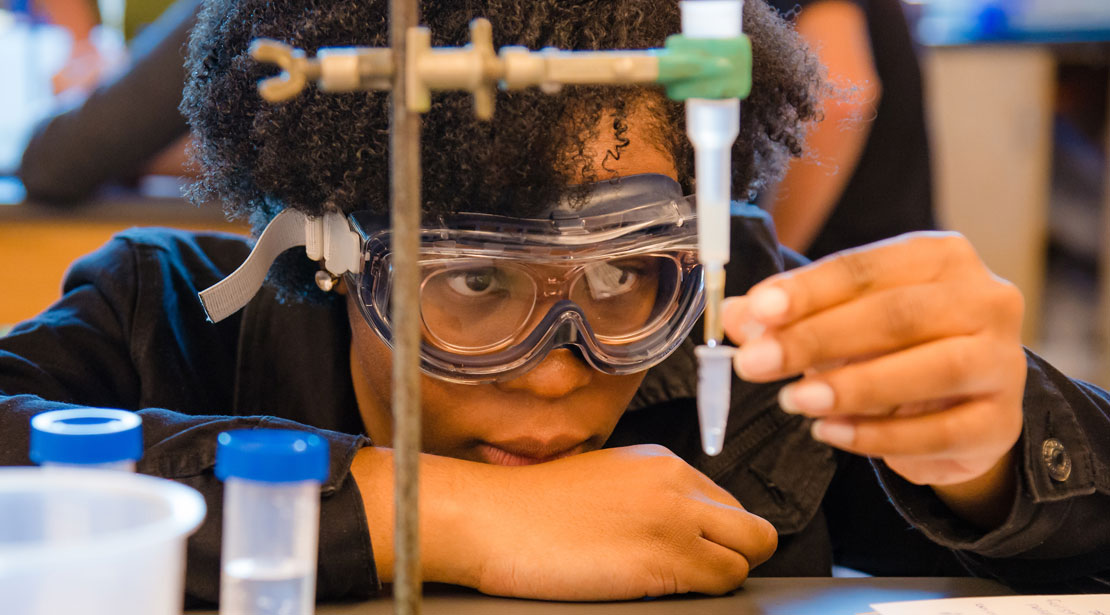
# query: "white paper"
[[1086, 604]]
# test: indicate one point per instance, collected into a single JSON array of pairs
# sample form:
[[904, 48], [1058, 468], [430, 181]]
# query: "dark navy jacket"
[[130, 333]]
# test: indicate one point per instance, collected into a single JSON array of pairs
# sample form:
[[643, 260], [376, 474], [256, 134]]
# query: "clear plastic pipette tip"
[[714, 393]]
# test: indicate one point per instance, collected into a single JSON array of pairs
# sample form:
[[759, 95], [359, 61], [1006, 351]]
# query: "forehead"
[[632, 149]]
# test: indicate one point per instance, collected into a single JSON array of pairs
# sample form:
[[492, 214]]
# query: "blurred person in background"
[[129, 126], [866, 175], [87, 61]]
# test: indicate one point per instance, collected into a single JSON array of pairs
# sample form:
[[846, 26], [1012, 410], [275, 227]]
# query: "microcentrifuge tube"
[[714, 394]]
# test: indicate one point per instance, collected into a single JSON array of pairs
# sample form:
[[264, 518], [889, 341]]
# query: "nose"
[[559, 374]]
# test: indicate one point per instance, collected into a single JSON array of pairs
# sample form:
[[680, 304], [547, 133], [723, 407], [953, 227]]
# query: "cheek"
[[371, 365], [455, 416], [616, 392], [447, 425]]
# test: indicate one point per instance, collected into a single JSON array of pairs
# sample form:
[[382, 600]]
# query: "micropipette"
[[712, 126]]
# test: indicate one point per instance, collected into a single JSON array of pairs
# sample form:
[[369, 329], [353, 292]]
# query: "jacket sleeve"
[[80, 353], [1057, 535]]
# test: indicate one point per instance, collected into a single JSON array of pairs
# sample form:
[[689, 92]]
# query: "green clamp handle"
[[714, 68]]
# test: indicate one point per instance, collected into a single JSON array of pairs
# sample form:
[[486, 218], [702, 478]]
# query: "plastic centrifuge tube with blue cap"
[[94, 438], [712, 126], [81, 439], [271, 520]]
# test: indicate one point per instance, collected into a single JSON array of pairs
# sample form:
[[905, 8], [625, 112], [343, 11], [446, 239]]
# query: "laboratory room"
[[603, 307]]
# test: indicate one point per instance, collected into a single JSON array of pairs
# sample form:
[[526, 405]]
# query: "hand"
[[605, 525], [910, 349], [614, 524], [86, 67]]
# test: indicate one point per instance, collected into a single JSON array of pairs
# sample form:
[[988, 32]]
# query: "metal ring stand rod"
[[405, 182]]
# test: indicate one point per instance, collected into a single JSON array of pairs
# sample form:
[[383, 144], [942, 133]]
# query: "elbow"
[[46, 178]]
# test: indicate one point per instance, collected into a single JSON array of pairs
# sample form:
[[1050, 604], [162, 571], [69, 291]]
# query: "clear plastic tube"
[[269, 547], [714, 394], [271, 520]]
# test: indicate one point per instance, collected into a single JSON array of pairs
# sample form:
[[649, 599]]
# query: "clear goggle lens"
[[476, 306]]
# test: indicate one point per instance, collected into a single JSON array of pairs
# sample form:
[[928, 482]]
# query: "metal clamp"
[[296, 69], [474, 68]]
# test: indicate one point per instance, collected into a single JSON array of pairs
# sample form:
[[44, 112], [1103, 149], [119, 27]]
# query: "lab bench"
[[758, 596], [38, 242]]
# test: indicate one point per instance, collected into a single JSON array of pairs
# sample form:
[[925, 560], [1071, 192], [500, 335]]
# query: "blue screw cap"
[[271, 455], [86, 436]]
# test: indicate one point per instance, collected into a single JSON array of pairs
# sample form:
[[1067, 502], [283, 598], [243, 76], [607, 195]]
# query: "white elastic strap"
[[329, 238]]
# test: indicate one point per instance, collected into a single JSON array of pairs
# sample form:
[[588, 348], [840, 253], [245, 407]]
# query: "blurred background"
[[1010, 97]]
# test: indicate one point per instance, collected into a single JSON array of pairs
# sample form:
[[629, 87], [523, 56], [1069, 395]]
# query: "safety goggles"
[[615, 278]]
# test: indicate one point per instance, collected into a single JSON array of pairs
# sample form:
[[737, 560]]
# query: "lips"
[[527, 451]]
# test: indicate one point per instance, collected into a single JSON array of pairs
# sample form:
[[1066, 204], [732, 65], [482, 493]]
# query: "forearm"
[[806, 196], [442, 530]]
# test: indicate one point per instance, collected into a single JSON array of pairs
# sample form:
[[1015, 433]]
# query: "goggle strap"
[[328, 238]]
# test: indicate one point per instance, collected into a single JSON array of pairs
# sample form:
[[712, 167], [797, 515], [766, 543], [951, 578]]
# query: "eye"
[[474, 282], [607, 280]]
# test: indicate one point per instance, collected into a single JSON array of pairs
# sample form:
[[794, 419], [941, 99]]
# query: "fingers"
[[970, 428], [738, 530], [714, 569], [954, 367], [732, 543], [908, 259], [894, 319], [884, 321]]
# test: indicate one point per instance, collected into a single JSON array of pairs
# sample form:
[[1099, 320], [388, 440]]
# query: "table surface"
[[759, 596], [38, 242]]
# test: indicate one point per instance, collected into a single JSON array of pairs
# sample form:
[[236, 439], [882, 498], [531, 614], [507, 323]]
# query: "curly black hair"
[[322, 149]]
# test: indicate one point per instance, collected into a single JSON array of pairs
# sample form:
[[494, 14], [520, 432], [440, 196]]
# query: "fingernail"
[[836, 434], [769, 303], [760, 357], [806, 397]]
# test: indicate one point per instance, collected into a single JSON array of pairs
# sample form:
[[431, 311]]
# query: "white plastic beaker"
[[129, 560]]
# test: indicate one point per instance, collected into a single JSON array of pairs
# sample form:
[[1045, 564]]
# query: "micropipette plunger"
[[712, 126]]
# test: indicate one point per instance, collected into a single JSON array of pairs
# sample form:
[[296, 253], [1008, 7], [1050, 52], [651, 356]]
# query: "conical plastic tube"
[[714, 394]]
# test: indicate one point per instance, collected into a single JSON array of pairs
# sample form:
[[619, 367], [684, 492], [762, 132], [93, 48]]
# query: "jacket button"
[[1056, 459]]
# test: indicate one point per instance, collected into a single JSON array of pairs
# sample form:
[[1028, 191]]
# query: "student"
[[129, 126], [610, 496], [866, 174]]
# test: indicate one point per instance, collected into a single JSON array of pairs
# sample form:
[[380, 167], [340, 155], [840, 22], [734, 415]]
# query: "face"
[[559, 408]]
